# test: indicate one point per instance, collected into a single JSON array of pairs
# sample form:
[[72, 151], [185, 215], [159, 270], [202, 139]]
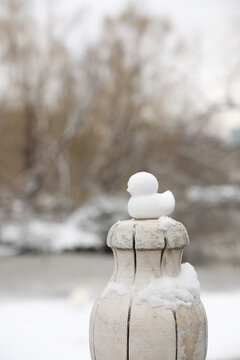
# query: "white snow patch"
[[11, 233], [171, 292], [80, 296], [213, 194], [47, 236], [85, 228], [223, 315], [164, 222], [70, 236], [44, 329], [114, 287]]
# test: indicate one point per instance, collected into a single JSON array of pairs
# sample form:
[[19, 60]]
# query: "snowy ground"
[[224, 325], [43, 330], [52, 329]]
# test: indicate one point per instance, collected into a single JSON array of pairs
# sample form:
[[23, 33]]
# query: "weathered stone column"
[[151, 308]]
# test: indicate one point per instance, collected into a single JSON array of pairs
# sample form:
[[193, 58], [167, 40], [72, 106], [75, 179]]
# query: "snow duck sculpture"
[[145, 202]]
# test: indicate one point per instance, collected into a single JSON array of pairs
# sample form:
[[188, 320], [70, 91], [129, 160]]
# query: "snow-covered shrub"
[[86, 228]]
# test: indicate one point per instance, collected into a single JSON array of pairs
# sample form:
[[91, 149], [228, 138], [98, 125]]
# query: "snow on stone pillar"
[[151, 307]]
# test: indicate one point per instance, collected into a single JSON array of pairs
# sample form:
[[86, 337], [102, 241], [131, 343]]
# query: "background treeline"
[[77, 121]]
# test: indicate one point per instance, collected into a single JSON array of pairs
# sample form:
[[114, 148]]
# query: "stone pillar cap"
[[148, 234]]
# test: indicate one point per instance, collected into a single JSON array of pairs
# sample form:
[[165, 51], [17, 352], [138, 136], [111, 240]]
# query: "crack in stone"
[[174, 311], [176, 333], [161, 256], [131, 296]]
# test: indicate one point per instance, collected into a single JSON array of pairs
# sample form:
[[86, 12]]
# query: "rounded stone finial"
[[151, 234], [145, 202]]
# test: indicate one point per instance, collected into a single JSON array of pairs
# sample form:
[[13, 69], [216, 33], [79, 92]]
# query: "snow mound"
[[171, 292], [166, 291], [164, 222], [114, 287]]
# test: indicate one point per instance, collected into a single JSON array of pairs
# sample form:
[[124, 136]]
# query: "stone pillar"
[[151, 308]]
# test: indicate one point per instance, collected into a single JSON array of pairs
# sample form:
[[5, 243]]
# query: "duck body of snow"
[[151, 206], [145, 202]]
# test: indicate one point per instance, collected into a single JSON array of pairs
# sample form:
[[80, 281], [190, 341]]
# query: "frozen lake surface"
[[45, 303]]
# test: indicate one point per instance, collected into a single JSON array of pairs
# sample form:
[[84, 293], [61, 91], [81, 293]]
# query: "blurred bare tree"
[[42, 106], [78, 124]]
